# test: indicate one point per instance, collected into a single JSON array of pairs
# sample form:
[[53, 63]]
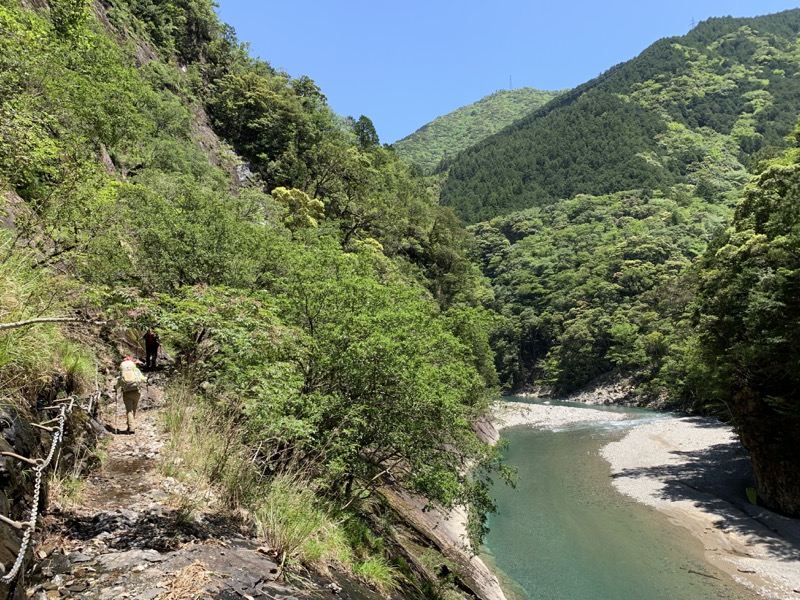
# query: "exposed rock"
[[34, 4], [447, 532], [607, 390], [79, 557], [486, 431], [126, 541]]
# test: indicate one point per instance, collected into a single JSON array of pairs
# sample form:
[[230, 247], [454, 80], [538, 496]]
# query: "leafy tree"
[[748, 318], [375, 354], [365, 133], [69, 16], [302, 210]]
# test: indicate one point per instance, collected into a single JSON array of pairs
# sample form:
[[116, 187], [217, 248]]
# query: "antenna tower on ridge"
[[693, 23]]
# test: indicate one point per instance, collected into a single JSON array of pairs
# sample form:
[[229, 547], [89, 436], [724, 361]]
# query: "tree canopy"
[[748, 317]]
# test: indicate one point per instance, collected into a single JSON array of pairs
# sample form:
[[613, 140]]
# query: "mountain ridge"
[[453, 132], [704, 91]]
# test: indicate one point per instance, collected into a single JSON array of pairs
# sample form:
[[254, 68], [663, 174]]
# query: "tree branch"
[[4, 326]]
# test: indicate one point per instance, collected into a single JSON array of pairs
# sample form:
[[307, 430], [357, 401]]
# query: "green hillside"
[[334, 329], [587, 286], [602, 222], [449, 134], [309, 288], [607, 195], [696, 109]]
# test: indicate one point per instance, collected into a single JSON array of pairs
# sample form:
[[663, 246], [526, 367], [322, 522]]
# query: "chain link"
[[39, 469]]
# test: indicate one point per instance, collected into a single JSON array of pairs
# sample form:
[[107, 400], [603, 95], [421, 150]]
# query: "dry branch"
[[4, 326]]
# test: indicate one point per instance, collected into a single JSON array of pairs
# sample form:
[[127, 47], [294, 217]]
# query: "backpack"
[[130, 378]]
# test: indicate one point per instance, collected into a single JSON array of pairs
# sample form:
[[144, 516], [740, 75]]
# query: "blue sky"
[[403, 64]]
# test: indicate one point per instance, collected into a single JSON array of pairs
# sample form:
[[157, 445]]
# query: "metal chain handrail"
[[41, 465]]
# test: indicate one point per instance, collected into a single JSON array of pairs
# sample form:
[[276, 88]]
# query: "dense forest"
[[698, 109], [313, 293], [587, 286], [316, 292], [446, 136], [601, 221]]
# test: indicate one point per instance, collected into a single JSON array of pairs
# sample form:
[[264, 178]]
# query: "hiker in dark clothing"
[[151, 344]]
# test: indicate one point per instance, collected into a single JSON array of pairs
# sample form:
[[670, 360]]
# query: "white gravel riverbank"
[[547, 416], [695, 471]]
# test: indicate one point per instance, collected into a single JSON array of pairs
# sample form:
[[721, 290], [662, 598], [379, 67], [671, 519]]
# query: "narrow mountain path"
[[133, 534]]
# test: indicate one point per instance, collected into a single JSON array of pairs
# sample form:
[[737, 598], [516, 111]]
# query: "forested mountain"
[[623, 181], [449, 134], [316, 295], [602, 229], [591, 286], [312, 292], [697, 109]]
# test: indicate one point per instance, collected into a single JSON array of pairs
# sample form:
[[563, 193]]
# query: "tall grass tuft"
[[31, 356], [378, 573], [67, 485], [207, 450], [288, 515], [77, 364]]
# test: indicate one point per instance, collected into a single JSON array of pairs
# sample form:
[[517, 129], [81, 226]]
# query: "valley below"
[[627, 503]]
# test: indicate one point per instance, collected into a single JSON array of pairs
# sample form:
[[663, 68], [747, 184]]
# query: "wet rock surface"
[[128, 539]]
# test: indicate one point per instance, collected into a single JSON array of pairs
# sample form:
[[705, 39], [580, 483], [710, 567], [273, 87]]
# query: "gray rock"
[[150, 594], [334, 587], [59, 564], [113, 593], [79, 557], [128, 514], [124, 561]]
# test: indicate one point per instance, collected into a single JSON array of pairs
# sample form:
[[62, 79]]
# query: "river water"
[[566, 534]]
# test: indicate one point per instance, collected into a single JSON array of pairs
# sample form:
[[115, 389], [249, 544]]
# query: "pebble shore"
[[695, 471]]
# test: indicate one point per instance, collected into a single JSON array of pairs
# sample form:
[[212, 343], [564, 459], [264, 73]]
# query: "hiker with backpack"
[[129, 379]]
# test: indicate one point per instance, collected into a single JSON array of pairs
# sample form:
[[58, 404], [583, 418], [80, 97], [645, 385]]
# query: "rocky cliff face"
[[28, 437]]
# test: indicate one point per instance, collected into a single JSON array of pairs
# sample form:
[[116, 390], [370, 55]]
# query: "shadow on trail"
[[715, 479], [161, 529]]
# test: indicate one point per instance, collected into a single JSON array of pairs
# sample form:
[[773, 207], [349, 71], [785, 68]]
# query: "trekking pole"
[[116, 409]]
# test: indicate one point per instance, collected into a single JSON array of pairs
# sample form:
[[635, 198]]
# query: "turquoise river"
[[565, 533]]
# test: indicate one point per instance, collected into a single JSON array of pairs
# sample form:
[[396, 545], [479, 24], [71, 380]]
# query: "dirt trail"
[[129, 537]]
